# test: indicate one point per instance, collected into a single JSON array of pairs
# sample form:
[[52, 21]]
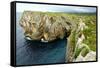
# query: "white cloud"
[[52, 8]]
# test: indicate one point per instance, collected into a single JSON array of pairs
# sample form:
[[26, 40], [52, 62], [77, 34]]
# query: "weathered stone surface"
[[45, 26], [91, 56]]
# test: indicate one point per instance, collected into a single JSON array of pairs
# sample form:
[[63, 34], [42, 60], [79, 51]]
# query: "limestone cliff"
[[45, 26]]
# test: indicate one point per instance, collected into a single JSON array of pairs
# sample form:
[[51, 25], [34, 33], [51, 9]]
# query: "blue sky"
[[52, 8]]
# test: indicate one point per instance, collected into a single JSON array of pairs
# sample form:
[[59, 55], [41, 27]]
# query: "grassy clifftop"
[[82, 37]]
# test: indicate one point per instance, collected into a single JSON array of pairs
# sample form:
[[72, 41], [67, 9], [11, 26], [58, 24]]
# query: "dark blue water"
[[36, 52]]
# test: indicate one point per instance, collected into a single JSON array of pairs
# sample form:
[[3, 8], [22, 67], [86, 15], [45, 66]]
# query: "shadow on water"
[[36, 52]]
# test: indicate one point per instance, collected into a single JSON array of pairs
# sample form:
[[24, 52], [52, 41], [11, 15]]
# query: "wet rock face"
[[45, 27]]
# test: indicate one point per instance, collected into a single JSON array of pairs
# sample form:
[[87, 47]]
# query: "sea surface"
[[35, 52]]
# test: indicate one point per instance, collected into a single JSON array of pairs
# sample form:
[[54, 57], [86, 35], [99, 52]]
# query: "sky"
[[20, 7]]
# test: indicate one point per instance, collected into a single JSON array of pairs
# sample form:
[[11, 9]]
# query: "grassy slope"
[[90, 33]]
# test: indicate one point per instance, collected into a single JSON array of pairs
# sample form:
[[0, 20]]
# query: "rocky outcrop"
[[82, 50], [45, 26], [90, 56]]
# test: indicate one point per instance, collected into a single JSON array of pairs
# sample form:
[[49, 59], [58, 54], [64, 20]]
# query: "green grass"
[[90, 33]]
